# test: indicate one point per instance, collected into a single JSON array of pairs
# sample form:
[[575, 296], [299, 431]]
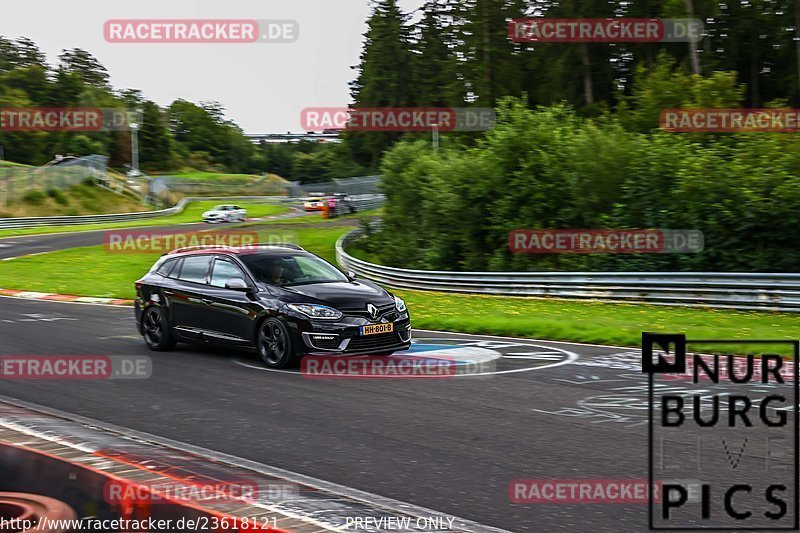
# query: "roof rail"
[[234, 249], [221, 248], [289, 245]]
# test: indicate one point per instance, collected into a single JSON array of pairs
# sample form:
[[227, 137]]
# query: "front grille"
[[377, 342], [384, 311]]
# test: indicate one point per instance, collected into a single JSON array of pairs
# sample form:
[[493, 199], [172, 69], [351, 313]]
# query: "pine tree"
[[384, 77], [435, 64]]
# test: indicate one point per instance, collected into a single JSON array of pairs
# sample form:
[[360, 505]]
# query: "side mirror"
[[237, 284], [351, 274]]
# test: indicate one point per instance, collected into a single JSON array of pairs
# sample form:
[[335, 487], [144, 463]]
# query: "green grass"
[[191, 213], [360, 253], [212, 176], [216, 178], [92, 271]]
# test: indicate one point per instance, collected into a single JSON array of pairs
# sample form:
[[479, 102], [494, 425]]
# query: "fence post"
[[5, 181]]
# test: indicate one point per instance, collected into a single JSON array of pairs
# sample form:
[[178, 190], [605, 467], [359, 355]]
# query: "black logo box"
[[675, 345]]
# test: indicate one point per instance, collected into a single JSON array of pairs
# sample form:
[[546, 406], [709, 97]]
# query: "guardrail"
[[776, 292], [32, 222], [364, 202]]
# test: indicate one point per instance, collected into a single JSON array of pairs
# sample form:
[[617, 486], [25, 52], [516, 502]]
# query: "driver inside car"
[[279, 272], [276, 273]]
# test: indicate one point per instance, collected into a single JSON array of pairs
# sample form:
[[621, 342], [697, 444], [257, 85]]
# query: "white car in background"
[[225, 213]]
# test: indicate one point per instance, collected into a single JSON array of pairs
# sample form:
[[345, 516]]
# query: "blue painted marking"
[[450, 350], [419, 348]]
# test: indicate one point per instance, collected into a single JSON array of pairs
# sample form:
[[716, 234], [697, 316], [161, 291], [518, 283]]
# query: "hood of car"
[[343, 295]]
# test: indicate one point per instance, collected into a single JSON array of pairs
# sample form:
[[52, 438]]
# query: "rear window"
[[195, 268], [166, 267]]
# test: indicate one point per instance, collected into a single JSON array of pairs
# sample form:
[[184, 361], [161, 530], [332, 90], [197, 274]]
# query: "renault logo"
[[372, 310]]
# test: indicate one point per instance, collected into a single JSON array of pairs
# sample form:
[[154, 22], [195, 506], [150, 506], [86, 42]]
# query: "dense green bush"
[[549, 168], [34, 197], [57, 196]]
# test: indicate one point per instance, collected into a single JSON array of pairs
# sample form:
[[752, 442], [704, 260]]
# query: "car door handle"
[[168, 293], [207, 301]]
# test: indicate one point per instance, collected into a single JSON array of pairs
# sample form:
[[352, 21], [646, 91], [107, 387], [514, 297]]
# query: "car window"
[[315, 269], [166, 267], [224, 269], [195, 268], [292, 269]]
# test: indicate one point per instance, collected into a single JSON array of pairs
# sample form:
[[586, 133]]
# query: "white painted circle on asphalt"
[[469, 352]]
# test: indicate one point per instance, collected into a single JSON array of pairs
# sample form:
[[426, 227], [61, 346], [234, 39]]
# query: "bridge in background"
[[290, 137]]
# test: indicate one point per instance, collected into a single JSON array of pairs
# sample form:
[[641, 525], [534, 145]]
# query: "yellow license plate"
[[376, 328]]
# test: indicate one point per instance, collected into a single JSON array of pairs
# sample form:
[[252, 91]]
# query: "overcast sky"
[[263, 87]]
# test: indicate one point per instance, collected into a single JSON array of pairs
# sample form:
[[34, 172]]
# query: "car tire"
[[274, 344], [156, 330]]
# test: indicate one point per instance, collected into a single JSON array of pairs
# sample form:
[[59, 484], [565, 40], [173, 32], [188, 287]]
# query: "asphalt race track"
[[532, 410], [35, 244], [11, 247], [453, 445]]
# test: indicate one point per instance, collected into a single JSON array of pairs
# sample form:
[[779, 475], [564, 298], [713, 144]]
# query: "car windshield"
[[288, 270], [220, 208]]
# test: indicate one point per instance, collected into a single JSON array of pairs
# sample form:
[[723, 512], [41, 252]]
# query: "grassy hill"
[[83, 199]]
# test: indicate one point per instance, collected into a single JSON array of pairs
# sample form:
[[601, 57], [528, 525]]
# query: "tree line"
[[550, 168], [182, 135], [577, 144]]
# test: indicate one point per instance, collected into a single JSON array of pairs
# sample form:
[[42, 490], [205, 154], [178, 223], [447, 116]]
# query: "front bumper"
[[343, 338]]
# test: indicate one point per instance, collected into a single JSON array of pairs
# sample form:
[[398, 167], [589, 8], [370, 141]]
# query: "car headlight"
[[399, 304], [316, 311]]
